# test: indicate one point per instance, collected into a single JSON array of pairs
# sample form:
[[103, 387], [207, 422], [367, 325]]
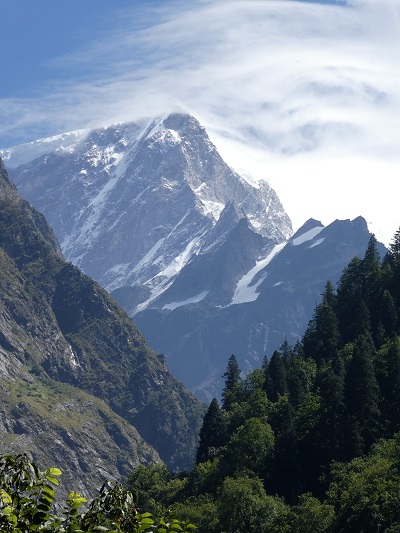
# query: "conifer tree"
[[213, 433], [287, 353], [331, 422], [232, 379], [321, 339], [276, 382], [284, 475], [349, 294], [362, 398], [361, 322], [372, 284], [388, 314], [394, 246], [391, 388], [392, 261]]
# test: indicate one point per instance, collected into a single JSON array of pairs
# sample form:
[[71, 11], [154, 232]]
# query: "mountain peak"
[[139, 200], [182, 122]]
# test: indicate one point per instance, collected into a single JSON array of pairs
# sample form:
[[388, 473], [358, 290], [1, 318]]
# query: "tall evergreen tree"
[[392, 262], [287, 353], [361, 322], [321, 338], [284, 476], [391, 387], [372, 284], [276, 384], [232, 380], [362, 398], [388, 316], [330, 428], [213, 433], [349, 294], [394, 246]]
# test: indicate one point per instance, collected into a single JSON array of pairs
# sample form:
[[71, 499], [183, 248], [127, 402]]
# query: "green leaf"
[[175, 527], [52, 480], [48, 490], [147, 520], [54, 471], [6, 498]]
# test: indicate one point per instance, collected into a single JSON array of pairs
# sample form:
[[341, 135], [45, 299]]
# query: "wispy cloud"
[[284, 87]]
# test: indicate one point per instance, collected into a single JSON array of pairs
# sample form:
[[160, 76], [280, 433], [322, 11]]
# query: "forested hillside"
[[308, 442]]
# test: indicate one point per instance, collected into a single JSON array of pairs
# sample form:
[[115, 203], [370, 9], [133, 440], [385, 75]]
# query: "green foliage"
[[27, 499], [232, 381], [366, 491], [213, 433], [244, 506], [251, 446], [202, 511], [275, 382], [311, 516], [155, 487]]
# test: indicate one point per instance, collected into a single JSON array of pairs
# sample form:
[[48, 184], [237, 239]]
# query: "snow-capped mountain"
[[202, 258], [132, 204]]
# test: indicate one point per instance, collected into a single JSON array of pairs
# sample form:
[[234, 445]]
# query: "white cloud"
[[307, 95]]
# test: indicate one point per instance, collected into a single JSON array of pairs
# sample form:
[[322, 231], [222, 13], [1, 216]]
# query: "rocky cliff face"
[[80, 388]]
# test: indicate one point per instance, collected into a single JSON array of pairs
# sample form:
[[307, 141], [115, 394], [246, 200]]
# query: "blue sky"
[[304, 94], [36, 33]]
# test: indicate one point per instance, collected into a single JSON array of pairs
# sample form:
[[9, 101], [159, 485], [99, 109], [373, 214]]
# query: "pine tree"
[[276, 382], [330, 428], [232, 380], [349, 294], [321, 338], [392, 262], [391, 387], [372, 284], [394, 246], [362, 398], [388, 314], [287, 353], [285, 473], [213, 433]]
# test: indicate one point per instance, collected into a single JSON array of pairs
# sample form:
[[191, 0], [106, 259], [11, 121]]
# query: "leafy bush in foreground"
[[27, 503]]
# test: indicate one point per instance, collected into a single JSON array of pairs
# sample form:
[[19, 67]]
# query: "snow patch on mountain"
[[193, 300], [245, 291], [150, 255], [179, 261], [317, 242], [307, 236]]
